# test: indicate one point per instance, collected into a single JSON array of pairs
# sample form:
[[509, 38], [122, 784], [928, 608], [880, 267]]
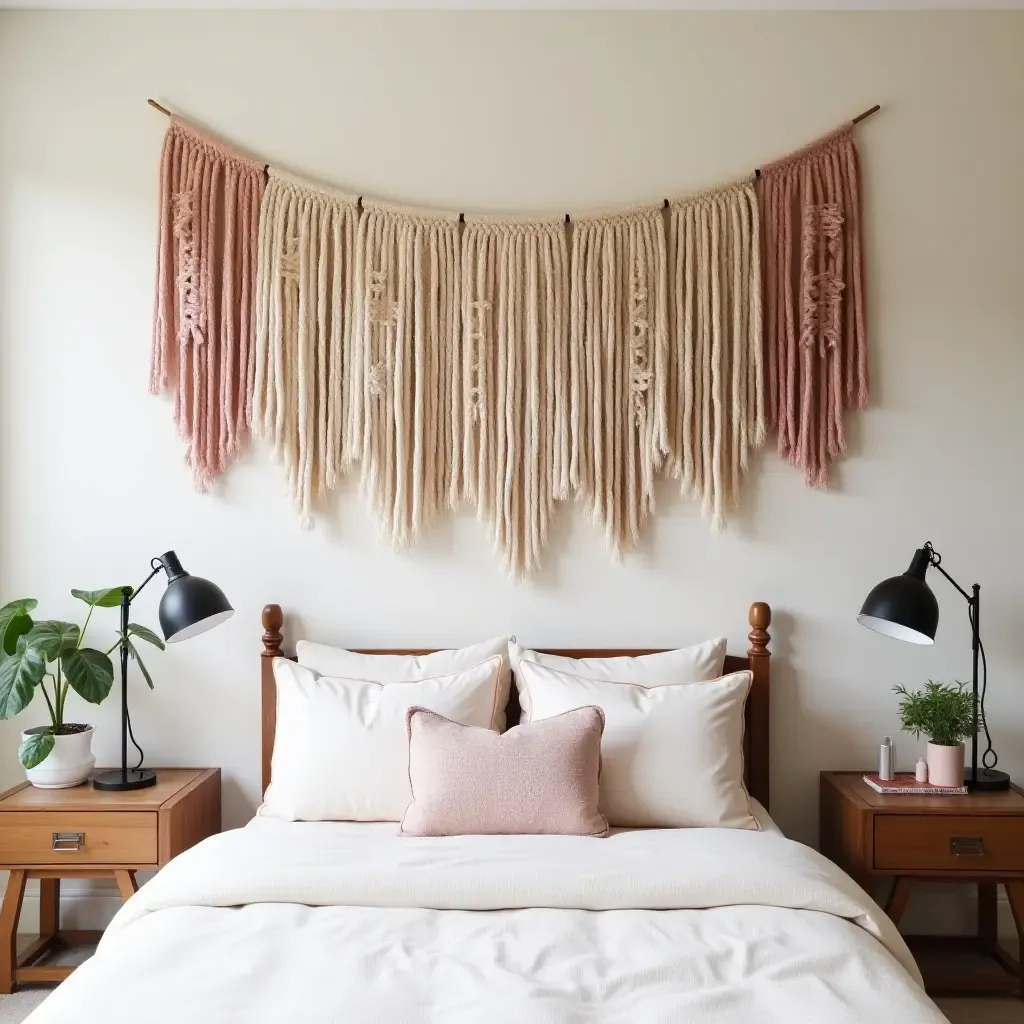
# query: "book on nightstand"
[[904, 784]]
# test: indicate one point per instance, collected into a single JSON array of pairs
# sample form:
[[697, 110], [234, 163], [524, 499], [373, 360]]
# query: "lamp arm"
[[935, 560], [156, 565]]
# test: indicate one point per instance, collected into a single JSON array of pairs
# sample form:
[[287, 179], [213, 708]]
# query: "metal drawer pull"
[[967, 846], [67, 842]]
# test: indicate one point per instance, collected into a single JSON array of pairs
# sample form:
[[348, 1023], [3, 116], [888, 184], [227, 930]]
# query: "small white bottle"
[[921, 773], [887, 760]]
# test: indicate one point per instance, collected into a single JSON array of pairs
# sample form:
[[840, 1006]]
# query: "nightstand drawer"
[[969, 843], [38, 837]]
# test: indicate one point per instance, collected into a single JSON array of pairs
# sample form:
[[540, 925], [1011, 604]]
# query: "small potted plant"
[[49, 656], [945, 714]]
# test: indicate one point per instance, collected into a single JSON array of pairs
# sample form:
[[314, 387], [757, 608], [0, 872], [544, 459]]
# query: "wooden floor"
[[977, 1011]]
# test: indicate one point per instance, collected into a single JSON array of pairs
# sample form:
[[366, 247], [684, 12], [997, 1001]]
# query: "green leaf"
[[20, 673], [15, 631], [142, 668], [944, 713], [134, 629], [36, 749], [50, 637], [89, 672], [107, 598], [15, 622]]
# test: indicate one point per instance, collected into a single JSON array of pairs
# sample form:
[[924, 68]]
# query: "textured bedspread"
[[310, 923]]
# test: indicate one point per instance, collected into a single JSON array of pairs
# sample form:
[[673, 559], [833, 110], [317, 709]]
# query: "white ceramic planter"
[[945, 765], [68, 764]]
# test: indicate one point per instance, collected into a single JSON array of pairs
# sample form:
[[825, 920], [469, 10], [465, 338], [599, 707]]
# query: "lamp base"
[[988, 781], [132, 778]]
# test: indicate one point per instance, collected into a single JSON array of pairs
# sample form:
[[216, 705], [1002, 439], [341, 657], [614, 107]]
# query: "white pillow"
[[340, 749], [686, 665], [671, 756], [406, 668]]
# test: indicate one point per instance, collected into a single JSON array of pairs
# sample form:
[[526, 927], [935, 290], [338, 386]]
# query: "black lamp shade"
[[190, 605], [904, 606]]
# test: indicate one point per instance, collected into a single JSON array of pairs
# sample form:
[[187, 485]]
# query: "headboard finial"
[[760, 619], [273, 620]]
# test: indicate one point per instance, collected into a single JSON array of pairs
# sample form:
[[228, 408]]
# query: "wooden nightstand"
[[83, 832], [977, 838]]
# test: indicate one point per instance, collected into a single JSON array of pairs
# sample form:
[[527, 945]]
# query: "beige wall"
[[518, 112]]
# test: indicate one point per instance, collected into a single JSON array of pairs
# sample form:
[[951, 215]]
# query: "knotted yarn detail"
[[640, 373], [383, 313], [188, 279], [480, 311], [291, 263]]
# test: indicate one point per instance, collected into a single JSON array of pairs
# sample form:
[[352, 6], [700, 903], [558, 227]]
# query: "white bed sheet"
[[334, 922]]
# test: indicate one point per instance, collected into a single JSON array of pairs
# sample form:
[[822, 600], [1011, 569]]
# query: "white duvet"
[[316, 923]]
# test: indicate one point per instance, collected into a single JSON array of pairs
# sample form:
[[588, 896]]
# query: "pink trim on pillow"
[[542, 778]]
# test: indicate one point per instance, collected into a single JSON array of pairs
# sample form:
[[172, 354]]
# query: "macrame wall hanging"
[[618, 343], [509, 363], [203, 329], [816, 339], [303, 396], [406, 374], [714, 378], [516, 380]]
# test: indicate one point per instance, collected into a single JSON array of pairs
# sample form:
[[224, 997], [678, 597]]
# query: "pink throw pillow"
[[536, 779]]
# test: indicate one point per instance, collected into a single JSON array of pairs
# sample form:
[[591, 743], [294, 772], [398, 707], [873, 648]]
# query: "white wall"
[[517, 112]]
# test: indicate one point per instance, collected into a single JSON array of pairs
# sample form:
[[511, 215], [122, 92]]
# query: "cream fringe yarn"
[[304, 303], [406, 388], [618, 362], [516, 380], [715, 396], [203, 322]]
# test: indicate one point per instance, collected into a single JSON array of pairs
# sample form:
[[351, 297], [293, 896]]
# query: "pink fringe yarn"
[[815, 338], [204, 315]]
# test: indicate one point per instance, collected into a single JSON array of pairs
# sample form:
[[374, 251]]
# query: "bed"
[[347, 921]]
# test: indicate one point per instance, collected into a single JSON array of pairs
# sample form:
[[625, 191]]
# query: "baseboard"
[[937, 909], [78, 912], [933, 909], [84, 905]]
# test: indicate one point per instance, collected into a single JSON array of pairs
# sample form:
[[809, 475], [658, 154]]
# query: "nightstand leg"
[[1015, 895], [987, 924], [899, 896], [126, 883], [9, 915], [49, 907]]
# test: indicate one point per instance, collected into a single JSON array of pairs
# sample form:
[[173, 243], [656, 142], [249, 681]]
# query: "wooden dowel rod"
[[757, 171], [857, 120], [867, 113]]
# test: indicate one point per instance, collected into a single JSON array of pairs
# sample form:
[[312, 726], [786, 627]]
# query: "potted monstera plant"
[[49, 656]]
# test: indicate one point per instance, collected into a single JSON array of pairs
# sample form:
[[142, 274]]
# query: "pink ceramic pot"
[[945, 765]]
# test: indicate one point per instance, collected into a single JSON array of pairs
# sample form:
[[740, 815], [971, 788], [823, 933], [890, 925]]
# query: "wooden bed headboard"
[[758, 709]]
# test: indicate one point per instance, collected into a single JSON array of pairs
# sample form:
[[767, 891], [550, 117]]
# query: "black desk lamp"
[[189, 606], [904, 607]]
